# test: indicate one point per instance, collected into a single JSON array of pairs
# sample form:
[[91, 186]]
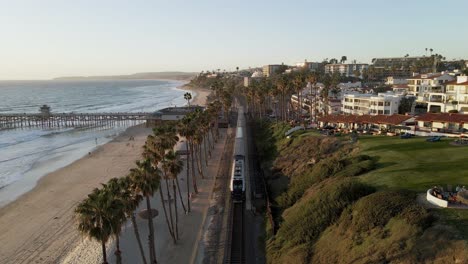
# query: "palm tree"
[[131, 200], [184, 128], [146, 180], [343, 59], [115, 191], [188, 97], [299, 81], [173, 165], [163, 139], [95, 217]]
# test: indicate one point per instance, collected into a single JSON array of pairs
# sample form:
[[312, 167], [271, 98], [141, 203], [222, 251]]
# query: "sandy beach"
[[39, 227]]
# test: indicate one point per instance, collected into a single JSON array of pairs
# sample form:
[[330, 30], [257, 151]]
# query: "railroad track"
[[237, 252]]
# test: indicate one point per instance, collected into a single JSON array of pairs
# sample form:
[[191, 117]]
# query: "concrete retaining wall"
[[434, 200]]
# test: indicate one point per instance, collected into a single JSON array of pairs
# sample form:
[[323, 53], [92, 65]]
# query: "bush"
[[330, 167], [463, 197], [377, 209]]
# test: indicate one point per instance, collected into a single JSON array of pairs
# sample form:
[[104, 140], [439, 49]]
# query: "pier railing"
[[16, 120]]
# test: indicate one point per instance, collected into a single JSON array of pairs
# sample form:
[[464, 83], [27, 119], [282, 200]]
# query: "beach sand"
[[39, 227]]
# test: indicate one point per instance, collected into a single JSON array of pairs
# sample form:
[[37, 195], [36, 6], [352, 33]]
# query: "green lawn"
[[414, 164]]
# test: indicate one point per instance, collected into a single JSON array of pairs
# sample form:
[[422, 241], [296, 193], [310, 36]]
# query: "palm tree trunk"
[[204, 149], [175, 209], [151, 245], [170, 209], [165, 213], [180, 194], [137, 235], [188, 177], [199, 162], [104, 253], [194, 179], [118, 253]]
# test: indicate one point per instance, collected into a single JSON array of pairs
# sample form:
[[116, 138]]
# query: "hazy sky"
[[41, 39]]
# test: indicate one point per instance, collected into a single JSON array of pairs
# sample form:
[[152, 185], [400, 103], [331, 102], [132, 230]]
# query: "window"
[[380, 112], [380, 103], [387, 112], [387, 103], [237, 186]]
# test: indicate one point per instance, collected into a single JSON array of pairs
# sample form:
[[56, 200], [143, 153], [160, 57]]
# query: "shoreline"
[[39, 226], [11, 193]]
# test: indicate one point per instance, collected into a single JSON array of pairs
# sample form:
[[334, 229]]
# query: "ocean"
[[27, 154]]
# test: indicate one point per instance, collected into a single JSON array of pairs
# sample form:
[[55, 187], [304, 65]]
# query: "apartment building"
[[455, 97], [311, 66], [392, 80], [363, 104], [346, 69], [423, 84], [269, 70]]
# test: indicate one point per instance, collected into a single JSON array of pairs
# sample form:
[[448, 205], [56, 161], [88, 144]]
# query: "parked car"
[[406, 136]]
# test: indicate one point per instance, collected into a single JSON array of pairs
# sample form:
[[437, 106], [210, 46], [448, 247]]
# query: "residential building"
[[456, 95], [443, 122], [396, 62], [311, 66], [363, 104], [255, 76], [332, 107], [400, 89], [391, 80], [398, 67], [346, 69], [377, 123], [269, 70], [423, 84]]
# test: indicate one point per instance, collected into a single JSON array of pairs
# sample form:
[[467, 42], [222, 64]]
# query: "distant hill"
[[135, 76]]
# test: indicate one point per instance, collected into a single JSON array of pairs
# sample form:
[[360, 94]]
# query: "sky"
[[43, 39]]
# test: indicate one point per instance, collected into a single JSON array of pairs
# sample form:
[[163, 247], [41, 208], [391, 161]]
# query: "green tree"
[[95, 217], [146, 180], [188, 97], [173, 165]]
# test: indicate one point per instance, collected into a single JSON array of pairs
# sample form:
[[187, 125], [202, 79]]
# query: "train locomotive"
[[238, 164]]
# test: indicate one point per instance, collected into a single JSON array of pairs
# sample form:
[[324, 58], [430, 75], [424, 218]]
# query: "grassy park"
[[414, 164], [361, 194]]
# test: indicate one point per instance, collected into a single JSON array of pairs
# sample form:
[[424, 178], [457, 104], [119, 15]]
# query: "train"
[[238, 171]]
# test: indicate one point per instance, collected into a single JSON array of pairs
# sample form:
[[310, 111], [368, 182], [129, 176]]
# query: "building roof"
[[178, 110], [401, 86], [455, 83], [366, 119], [443, 117], [425, 76]]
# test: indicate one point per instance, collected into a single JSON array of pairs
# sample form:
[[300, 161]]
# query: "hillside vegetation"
[[332, 203]]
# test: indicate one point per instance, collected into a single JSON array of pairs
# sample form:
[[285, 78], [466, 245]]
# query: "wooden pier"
[[17, 120]]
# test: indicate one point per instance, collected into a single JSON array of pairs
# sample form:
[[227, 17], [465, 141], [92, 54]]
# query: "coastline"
[[39, 226]]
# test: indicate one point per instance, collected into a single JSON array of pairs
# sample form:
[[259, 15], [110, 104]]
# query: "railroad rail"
[[236, 252], [17, 120]]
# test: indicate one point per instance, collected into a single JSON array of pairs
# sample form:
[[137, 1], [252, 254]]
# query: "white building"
[[395, 81], [423, 84], [311, 66], [255, 76], [454, 98], [363, 104], [346, 69]]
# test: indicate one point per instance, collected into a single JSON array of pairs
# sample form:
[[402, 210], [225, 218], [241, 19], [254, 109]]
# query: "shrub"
[[377, 209]]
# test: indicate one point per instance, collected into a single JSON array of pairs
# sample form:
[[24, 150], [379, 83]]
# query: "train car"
[[238, 162]]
